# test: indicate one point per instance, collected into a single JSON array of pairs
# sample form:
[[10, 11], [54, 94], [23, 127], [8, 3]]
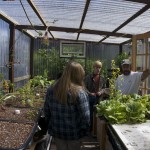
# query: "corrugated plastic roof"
[[110, 21]]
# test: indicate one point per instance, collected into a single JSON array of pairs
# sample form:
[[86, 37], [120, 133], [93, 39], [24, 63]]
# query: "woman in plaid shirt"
[[67, 108]]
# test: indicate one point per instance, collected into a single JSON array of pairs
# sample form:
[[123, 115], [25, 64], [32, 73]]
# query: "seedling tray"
[[16, 135], [26, 114]]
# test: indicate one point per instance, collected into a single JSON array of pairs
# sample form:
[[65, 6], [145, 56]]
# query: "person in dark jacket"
[[95, 84], [66, 108]]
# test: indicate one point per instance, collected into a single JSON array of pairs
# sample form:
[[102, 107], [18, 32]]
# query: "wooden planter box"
[[102, 136]]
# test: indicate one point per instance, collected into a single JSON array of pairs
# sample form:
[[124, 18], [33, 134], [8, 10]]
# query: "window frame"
[[72, 54]]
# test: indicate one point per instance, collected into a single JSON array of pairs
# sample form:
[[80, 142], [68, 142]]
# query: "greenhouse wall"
[[4, 48], [46, 56], [21, 55], [21, 58], [103, 52]]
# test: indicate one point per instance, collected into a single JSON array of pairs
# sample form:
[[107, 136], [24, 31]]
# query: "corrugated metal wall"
[[103, 52], [47, 56]]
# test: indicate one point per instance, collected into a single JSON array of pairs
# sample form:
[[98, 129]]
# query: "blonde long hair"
[[70, 81]]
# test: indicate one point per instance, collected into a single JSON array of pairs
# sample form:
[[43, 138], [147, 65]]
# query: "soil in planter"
[[26, 114], [14, 135], [17, 102], [41, 91]]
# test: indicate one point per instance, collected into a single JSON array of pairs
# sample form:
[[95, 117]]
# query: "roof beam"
[[74, 30], [87, 41], [133, 17], [145, 8], [30, 27], [83, 17], [140, 1], [8, 20], [38, 14]]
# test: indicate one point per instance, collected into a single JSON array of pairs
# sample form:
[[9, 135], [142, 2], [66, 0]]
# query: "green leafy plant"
[[118, 59], [124, 109], [112, 80], [40, 81], [48, 59], [120, 108], [26, 93], [1, 76], [6, 97]]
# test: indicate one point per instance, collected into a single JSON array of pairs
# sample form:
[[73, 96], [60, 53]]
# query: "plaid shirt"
[[70, 121]]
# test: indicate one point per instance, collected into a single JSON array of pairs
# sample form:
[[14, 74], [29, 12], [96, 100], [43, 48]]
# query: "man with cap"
[[128, 82]]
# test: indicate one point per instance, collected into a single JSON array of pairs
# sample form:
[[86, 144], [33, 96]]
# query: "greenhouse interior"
[[40, 37]]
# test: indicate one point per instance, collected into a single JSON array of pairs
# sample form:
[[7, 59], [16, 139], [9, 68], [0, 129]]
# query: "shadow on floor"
[[88, 143]]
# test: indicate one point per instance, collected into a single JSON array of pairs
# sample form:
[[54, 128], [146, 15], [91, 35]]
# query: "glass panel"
[[149, 45], [85, 37], [113, 39], [148, 91], [139, 25], [148, 83], [15, 11], [148, 61], [141, 48], [4, 50], [107, 15], [142, 84], [21, 58], [20, 84], [64, 35], [140, 63], [61, 13]]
